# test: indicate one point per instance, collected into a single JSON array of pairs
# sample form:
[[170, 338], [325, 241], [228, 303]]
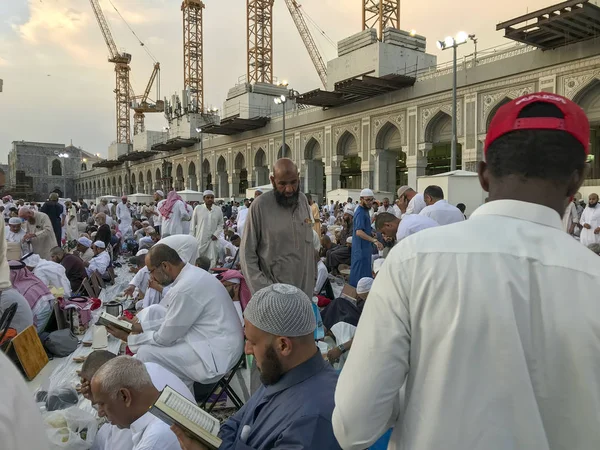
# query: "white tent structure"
[[459, 186], [140, 198], [251, 191], [109, 198], [191, 196], [342, 195]]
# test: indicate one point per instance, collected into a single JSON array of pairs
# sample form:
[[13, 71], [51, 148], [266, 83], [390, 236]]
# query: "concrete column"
[[417, 164], [385, 171], [234, 184], [223, 184], [332, 174], [313, 178], [470, 154]]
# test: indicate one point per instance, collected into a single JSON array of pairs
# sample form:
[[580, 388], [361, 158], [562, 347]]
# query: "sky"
[[58, 84]]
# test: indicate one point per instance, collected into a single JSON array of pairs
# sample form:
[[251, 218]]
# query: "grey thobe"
[[277, 246], [44, 239]]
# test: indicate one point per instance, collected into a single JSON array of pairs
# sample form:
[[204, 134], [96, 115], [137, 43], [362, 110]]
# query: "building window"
[[83, 166], [56, 167]]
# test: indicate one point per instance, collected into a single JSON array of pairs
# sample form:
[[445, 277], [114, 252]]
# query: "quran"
[[173, 408], [112, 321]]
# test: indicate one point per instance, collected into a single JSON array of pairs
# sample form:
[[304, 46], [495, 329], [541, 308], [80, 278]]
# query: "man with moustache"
[[206, 226], [277, 242], [590, 221]]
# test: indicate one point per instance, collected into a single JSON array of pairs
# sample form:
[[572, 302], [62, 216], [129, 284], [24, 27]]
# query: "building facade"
[[382, 142]]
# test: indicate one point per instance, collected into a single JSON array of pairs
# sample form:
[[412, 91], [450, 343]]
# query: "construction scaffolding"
[[381, 14], [260, 41], [193, 54]]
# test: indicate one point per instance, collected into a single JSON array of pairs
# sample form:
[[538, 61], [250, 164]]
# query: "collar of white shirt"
[[531, 212]]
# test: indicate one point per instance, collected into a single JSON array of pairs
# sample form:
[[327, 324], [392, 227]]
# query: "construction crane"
[[308, 40], [143, 104], [121, 62], [193, 54], [381, 14]]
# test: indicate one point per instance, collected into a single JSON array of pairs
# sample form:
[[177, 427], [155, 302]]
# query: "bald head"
[[284, 166]]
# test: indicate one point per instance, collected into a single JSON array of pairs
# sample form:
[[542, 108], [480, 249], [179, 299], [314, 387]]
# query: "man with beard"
[[277, 242], [590, 221], [54, 210], [39, 232], [206, 226], [293, 407], [195, 331], [362, 239]]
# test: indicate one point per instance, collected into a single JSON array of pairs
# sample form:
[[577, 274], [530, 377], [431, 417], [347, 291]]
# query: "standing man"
[[71, 221], [173, 212], [316, 214], [159, 200], [242, 216], [102, 207], [526, 325], [206, 226], [124, 218], [571, 218], [439, 209], [84, 210], [590, 221], [410, 201], [277, 242], [39, 232], [362, 239], [54, 210]]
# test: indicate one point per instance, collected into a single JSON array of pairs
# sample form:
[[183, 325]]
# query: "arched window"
[[83, 166], [56, 168]]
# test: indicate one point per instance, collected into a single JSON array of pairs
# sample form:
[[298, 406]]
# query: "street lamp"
[[453, 42], [201, 183], [64, 156], [282, 100]]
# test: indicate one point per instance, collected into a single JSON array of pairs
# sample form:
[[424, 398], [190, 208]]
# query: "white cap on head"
[[349, 240], [33, 260], [364, 285], [100, 244], [85, 242], [367, 193], [258, 190], [161, 193], [14, 221], [208, 192], [142, 252], [377, 264], [402, 190], [349, 211]]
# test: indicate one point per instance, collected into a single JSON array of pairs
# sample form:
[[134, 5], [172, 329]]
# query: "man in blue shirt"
[[293, 407], [362, 239]]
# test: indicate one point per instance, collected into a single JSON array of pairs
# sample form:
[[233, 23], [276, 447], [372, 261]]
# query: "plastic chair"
[[6, 319], [203, 392]]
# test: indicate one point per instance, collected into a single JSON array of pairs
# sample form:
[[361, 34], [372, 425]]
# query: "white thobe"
[[184, 244], [415, 205], [195, 332], [443, 213], [570, 217], [498, 352], [151, 433], [186, 223], [321, 276], [21, 425], [53, 274], [241, 221], [140, 281], [206, 224], [71, 224], [412, 224], [110, 437], [173, 225], [124, 215], [225, 245], [590, 216], [100, 262], [87, 255], [18, 238]]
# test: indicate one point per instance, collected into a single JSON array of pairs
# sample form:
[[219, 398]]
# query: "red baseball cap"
[[575, 122]]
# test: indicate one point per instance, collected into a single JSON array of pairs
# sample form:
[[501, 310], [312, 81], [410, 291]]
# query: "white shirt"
[[21, 424], [140, 281], [206, 224], [382, 209], [500, 350], [241, 220], [412, 224], [184, 244], [415, 205], [590, 216], [321, 276], [173, 225], [100, 262], [570, 217], [123, 213], [443, 213], [53, 274], [110, 437], [159, 218]]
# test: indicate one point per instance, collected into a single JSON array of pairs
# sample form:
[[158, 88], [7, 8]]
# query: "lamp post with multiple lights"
[[282, 100], [453, 43], [63, 157]]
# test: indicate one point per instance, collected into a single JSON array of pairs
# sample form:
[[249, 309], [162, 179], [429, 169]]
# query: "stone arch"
[[179, 180], [347, 144], [207, 182], [391, 168], [158, 179], [240, 161], [436, 126], [119, 186], [242, 174], [389, 137], [588, 98], [104, 187], [222, 178], [284, 152], [261, 169], [133, 180], [494, 110], [56, 169], [221, 164], [260, 158], [83, 167], [439, 135], [192, 179], [312, 150]]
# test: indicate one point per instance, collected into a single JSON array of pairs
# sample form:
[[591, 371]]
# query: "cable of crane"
[[319, 29], [133, 32]]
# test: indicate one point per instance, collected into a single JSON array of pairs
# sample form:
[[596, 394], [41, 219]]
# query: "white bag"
[[71, 429]]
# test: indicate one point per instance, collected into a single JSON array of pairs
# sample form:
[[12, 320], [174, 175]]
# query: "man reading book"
[[294, 406]]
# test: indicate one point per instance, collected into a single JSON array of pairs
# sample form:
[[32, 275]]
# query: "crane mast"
[[193, 54], [380, 14], [121, 62], [259, 14], [308, 40]]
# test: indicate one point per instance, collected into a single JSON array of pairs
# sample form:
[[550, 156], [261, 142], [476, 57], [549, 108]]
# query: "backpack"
[[77, 313]]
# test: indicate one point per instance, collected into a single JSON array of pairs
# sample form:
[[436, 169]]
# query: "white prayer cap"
[[161, 193], [258, 190], [349, 240], [349, 211], [282, 310], [33, 260], [85, 242], [208, 192], [316, 241], [364, 285], [367, 193], [402, 190], [100, 244], [142, 252], [377, 264], [14, 221]]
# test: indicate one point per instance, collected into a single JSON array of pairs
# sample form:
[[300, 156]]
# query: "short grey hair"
[[123, 372], [53, 196], [595, 248], [58, 252]]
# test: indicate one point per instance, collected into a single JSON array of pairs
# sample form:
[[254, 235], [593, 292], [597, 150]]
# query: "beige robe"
[[45, 239], [316, 214], [277, 246]]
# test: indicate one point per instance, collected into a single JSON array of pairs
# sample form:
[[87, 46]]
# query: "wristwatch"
[[342, 348]]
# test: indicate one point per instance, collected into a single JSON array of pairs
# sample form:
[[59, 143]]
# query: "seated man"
[[293, 408], [23, 317], [16, 233], [73, 265], [110, 436], [51, 273], [37, 294], [342, 254], [100, 261], [143, 287], [195, 331], [84, 249], [124, 391], [151, 238]]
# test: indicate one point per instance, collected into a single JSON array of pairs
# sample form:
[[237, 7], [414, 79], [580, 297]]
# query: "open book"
[[112, 321], [173, 408]]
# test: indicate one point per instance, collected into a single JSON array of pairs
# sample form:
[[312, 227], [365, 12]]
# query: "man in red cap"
[[492, 322]]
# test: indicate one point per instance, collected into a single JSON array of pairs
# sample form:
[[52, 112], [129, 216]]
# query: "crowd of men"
[[478, 332]]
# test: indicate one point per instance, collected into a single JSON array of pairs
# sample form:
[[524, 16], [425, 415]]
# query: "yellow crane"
[[122, 86], [143, 103]]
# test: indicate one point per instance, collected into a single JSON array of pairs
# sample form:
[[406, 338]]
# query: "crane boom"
[[143, 106], [308, 40], [110, 42]]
